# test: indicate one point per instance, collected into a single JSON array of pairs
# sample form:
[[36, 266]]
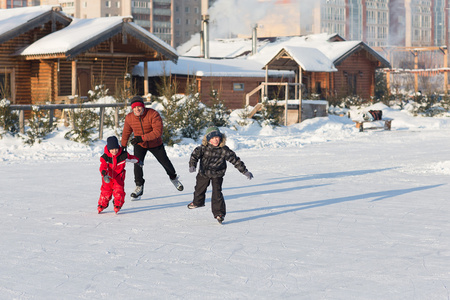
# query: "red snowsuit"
[[114, 165]]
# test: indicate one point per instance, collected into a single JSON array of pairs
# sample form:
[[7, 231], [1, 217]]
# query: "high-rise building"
[[187, 19], [153, 15], [4, 4]]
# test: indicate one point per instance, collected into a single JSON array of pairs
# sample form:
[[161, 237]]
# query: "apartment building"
[[4, 4], [381, 23], [153, 15], [187, 19]]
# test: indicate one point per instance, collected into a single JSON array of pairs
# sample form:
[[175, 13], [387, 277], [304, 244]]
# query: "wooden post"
[[266, 87], [102, 120], [74, 77], [22, 121], [116, 118], [446, 71], [145, 78], [416, 74], [388, 81], [50, 117], [286, 105], [300, 94]]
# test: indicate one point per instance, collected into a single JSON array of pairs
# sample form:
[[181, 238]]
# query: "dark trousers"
[[217, 201], [160, 154]]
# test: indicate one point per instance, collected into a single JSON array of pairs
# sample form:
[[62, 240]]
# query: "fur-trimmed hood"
[[222, 143]]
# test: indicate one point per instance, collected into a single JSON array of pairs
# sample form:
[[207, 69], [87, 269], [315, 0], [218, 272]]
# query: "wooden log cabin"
[[233, 79], [55, 58]]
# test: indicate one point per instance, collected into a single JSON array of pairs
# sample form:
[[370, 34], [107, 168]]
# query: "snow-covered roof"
[[15, 21], [328, 44], [79, 31], [309, 59], [226, 48], [83, 34], [14, 17], [238, 67]]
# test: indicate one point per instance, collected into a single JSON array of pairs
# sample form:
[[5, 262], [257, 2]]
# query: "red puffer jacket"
[[148, 126], [114, 165]]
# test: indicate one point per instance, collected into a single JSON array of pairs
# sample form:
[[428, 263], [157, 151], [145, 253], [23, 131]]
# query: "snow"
[[13, 17], [332, 213], [78, 31], [310, 59], [207, 67]]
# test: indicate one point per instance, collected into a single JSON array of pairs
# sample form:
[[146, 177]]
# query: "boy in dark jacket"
[[112, 168], [213, 156]]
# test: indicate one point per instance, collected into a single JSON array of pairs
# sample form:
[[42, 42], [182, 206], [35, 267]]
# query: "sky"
[[331, 213]]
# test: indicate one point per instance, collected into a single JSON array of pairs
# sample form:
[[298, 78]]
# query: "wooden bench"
[[386, 126]]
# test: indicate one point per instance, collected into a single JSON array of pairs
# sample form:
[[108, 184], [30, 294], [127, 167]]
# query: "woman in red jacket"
[[112, 168], [147, 126]]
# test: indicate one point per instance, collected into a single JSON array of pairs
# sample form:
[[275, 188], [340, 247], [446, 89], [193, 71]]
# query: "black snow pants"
[[217, 201], [160, 154]]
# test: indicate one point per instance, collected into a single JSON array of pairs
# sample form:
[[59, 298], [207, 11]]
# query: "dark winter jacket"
[[148, 126], [114, 165], [213, 160]]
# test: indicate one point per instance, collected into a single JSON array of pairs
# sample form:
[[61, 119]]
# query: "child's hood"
[[223, 140]]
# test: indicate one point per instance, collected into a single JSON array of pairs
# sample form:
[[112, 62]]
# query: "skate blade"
[[135, 199]]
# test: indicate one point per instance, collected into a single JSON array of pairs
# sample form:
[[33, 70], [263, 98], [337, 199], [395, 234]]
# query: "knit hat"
[[137, 101], [112, 143], [212, 132]]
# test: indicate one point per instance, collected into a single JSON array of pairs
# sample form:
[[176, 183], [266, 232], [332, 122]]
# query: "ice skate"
[[138, 191], [177, 184]]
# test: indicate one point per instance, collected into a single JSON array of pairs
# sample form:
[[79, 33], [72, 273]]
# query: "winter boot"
[[117, 208], [177, 184], [138, 191]]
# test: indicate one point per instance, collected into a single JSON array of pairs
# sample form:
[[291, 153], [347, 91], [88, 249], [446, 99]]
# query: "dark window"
[[5, 86]]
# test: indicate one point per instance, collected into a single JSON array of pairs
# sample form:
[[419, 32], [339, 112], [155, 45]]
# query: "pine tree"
[[171, 112], [218, 114], [193, 113], [39, 126], [9, 120]]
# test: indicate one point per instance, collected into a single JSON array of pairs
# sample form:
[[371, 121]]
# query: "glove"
[[106, 177], [192, 169], [124, 149], [249, 175], [136, 140]]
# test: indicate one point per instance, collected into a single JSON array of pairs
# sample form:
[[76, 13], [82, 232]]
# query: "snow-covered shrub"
[[84, 122], [218, 114], [9, 120], [39, 126], [270, 113], [193, 113]]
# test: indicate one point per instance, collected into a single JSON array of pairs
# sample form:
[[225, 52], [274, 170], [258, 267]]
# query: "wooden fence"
[[53, 107]]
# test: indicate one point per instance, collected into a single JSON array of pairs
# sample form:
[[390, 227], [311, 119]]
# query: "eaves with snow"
[[238, 67], [16, 21], [84, 34], [329, 47]]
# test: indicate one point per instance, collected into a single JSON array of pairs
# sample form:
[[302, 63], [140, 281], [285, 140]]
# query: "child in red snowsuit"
[[112, 168]]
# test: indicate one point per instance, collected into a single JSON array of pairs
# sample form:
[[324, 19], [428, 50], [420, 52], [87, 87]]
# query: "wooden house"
[[233, 79], [18, 29], [74, 55]]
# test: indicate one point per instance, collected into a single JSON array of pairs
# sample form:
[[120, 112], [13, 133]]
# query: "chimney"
[[205, 27], [204, 35], [254, 39]]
